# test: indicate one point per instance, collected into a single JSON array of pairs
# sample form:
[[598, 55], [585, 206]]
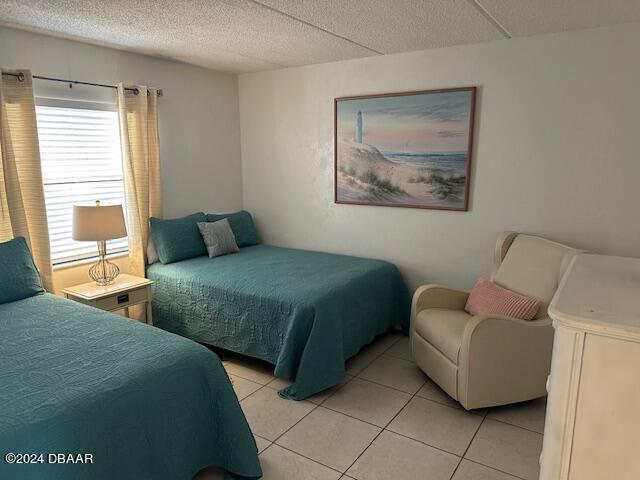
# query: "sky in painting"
[[427, 123]]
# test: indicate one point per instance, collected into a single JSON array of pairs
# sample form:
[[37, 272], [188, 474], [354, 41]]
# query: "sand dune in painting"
[[366, 175]]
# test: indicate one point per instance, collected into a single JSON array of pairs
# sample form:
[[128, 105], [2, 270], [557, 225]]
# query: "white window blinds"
[[81, 163]]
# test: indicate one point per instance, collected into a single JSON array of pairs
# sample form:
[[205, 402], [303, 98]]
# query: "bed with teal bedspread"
[[145, 403], [304, 312]]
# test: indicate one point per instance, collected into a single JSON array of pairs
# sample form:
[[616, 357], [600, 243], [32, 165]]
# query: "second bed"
[[304, 312]]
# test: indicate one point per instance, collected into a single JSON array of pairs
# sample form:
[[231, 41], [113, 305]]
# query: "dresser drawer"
[[123, 300]]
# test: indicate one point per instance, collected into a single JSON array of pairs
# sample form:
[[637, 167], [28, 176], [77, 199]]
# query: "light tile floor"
[[386, 420]]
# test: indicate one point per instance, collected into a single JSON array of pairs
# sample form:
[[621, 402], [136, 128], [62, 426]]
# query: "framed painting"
[[409, 149]]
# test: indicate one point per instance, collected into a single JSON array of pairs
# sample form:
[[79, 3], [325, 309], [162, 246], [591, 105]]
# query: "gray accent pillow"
[[218, 237]]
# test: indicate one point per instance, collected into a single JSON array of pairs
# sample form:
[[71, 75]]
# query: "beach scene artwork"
[[405, 150]]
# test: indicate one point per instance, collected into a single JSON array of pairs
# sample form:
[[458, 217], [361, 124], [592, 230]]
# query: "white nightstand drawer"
[[123, 299], [125, 291]]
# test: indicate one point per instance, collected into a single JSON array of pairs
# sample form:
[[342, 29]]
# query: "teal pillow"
[[241, 225], [177, 239], [19, 277]]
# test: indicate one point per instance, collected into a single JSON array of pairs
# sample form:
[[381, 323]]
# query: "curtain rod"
[[20, 77]]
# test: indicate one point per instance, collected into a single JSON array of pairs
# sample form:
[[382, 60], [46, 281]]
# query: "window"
[[81, 163]]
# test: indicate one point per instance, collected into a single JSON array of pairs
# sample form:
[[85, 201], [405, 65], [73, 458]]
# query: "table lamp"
[[98, 223]]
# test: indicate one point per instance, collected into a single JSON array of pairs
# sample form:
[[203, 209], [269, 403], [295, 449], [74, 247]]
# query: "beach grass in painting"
[[405, 149]]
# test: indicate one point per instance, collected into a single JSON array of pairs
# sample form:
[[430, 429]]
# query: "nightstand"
[[124, 292]]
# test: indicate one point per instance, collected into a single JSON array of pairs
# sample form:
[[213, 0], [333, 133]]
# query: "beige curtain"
[[22, 207], [138, 114]]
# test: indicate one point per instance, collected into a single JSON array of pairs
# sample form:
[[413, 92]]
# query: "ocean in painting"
[[406, 150], [454, 161]]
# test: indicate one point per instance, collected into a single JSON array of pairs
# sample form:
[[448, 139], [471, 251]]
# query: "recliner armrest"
[[438, 296], [477, 320], [435, 296], [497, 351]]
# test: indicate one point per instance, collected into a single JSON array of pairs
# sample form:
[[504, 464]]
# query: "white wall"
[[556, 152], [198, 115]]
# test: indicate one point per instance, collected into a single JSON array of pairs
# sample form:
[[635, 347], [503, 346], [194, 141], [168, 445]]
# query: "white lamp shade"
[[96, 223]]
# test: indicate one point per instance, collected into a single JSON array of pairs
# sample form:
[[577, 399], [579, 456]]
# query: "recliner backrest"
[[532, 266]]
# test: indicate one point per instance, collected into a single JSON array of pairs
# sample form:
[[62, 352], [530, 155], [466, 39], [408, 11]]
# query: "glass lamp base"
[[104, 272]]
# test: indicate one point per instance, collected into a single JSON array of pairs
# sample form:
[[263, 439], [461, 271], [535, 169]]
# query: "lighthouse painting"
[[405, 149]]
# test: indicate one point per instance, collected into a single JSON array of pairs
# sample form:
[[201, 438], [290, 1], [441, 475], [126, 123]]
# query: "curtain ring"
[[148, 93], [21, 77], [136, 91]]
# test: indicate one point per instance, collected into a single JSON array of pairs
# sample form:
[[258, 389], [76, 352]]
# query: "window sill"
[[87, 261]]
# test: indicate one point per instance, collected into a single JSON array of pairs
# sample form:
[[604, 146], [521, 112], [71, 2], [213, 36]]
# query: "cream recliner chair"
[[489, 360]]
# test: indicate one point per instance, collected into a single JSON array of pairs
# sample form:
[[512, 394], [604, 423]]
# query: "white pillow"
[[152, 255]]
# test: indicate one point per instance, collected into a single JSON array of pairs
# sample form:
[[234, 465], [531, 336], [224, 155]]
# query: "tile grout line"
[[458, 407], [479, 463], [248, 379], [266, 448], [408, 393], [402, 408], [252, 393], [333, 393], [394, 388], [265, 439], [397, 356], [357, 374], [455, 407], [368, 364], [494, 468], [383, 429], [356, 418], [382, 385], [316, 406], [304, 456], [513, 425], [468, 446], [274, 442], [486, 415], [393, 431], [422, 442]]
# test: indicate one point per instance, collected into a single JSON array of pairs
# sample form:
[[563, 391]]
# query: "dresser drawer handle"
[[124, 298]]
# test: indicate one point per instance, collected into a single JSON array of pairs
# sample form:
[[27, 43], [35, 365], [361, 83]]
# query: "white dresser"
[[592, 429]]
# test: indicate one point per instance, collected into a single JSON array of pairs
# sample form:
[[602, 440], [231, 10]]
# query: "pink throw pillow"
[[488, 298]]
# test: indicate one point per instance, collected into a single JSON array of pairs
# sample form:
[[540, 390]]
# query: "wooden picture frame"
[[408, 149]]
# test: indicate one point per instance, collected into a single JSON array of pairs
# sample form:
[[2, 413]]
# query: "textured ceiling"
[[250, 35], [395, 26], [531, 17]]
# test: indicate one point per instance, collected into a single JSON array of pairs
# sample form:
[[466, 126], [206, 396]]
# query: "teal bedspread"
[[146, 404], [305, 312]]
